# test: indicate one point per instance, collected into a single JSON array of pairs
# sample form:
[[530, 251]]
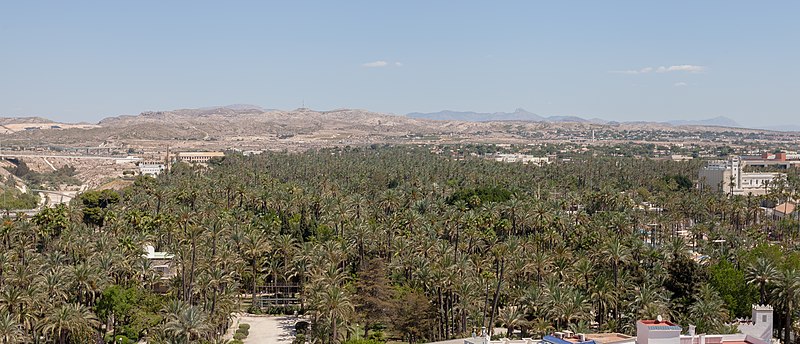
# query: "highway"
[[94, 157]]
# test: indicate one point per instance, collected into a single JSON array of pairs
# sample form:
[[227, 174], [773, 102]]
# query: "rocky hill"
[[251, 127]]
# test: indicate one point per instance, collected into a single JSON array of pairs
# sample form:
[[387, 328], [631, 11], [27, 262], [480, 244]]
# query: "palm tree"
[[617, 253], [787, 296], [708, 311], [10, 330], [188, 325], [254, 246], [71, 321], [605, 296], [512, 317], [334, 304], [762, 273]]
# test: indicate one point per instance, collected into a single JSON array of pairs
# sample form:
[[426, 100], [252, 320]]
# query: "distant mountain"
[[518, 115], [786, 127], [470, 116], [523, 115], [17, 120], [716, 121], [235, 107]]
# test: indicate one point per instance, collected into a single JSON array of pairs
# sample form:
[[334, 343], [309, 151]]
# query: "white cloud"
[[682, 68], [382, 63], [375, 64], [663, 69], [680, 84]]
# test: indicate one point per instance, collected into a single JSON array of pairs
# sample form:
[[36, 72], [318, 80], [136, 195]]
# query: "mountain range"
[[518, 115], [524, 115]]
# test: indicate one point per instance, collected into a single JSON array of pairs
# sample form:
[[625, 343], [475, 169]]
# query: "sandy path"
[[269, 329]]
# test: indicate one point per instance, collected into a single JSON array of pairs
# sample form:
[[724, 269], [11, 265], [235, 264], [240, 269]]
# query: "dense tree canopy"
[[407, 244]]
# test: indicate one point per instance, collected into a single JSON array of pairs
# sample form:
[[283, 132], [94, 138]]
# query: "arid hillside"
[[250, 127]]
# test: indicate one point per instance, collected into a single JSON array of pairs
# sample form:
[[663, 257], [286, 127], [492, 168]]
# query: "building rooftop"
[[660, 325], [609, 338], [150, 253], [786, 208], [186, 154]]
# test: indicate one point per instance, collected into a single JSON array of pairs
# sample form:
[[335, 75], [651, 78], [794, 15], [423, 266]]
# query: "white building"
[[759, 325], [162, 263], [756, 330], [151, 168], [727, 176], [523, 158]]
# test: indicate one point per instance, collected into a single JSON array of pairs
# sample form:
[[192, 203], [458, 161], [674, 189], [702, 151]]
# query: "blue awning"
[[554, 340]]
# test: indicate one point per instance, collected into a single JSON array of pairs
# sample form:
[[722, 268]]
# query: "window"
[[764, 318]]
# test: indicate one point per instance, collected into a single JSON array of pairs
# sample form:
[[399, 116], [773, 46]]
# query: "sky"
[[616, 60]]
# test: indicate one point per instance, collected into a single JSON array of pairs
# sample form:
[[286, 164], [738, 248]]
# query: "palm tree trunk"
[[501, 270], [787, 322], [253, 289], [334, 334], [191, 272]]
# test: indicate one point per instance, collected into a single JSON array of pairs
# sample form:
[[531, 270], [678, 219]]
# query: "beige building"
[[198, 157], [727, 176]]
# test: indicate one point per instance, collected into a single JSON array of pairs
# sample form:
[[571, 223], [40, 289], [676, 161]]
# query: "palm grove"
[[400, 244]]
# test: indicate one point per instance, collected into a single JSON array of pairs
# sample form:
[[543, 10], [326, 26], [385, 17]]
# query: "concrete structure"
[[151, 168], [198, 157], [759, 325], [161, 262], [727, 176]]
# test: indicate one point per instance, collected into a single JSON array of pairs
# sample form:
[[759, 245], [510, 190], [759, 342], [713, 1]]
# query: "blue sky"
[[617, 60]]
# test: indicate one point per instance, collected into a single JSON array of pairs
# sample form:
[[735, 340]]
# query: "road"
[[268, 329], [94, 157]]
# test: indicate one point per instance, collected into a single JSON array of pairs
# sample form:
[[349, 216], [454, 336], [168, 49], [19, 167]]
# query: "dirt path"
[[269, 329]]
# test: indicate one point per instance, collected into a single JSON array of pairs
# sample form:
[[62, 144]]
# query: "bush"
[[363, 341], [299, 339], [243, 331], [377, 336], [235, 341], [244, 326], [239, 336], [254, 310], [122, 339]]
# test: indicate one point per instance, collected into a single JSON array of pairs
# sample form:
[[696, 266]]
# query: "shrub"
[[244, 326], [299, 339], [243, 331], [377, 336], [363, 341], [235, 341], [239, 336]]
